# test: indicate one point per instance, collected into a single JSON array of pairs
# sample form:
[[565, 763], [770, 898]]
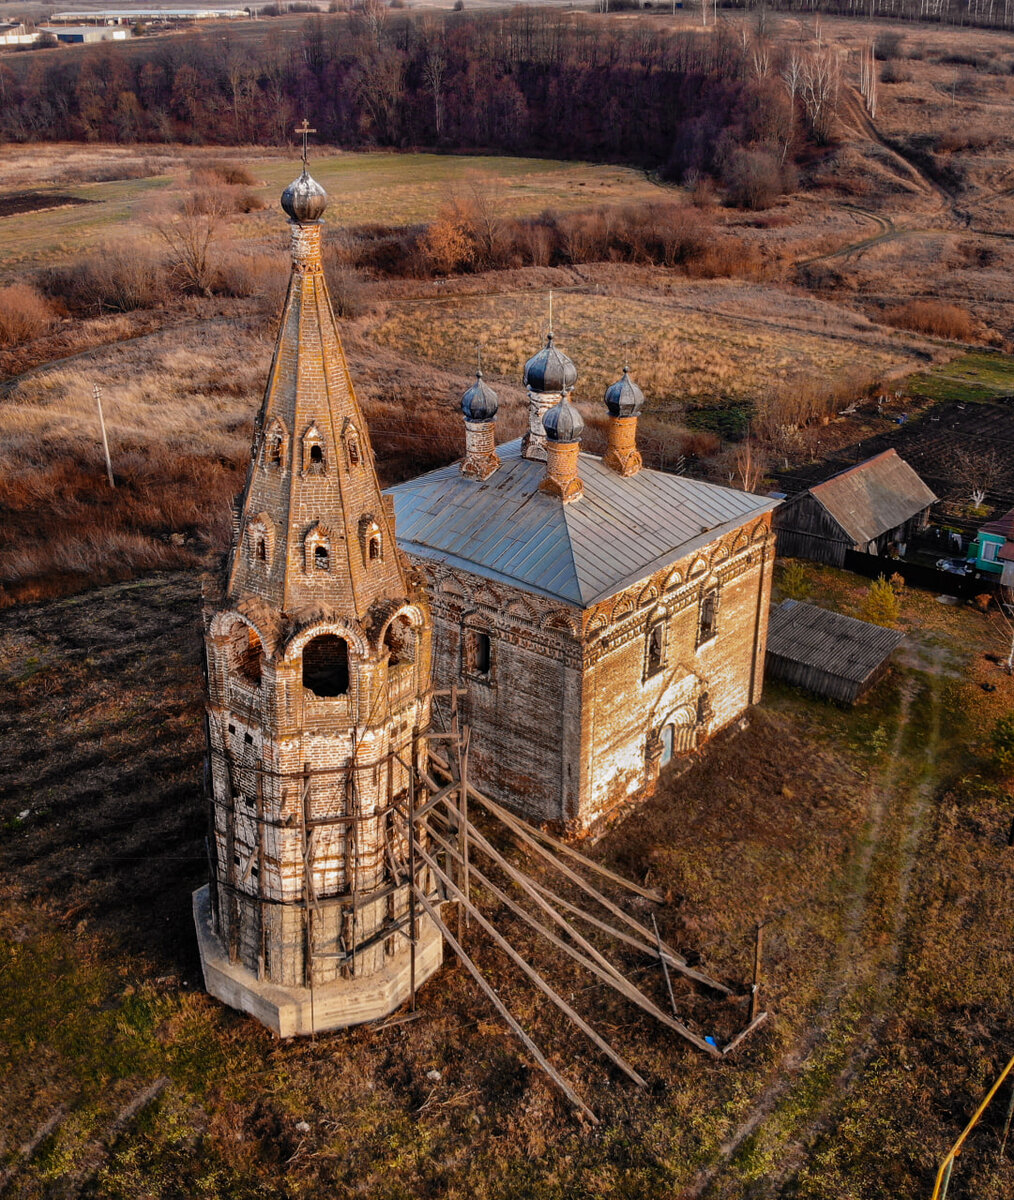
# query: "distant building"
[[865, 509], [992, 552], [837, 657], [16, 35], [77, 34], [127, 16]]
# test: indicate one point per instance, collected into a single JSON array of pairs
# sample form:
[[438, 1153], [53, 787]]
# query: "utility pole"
[[97, 393]]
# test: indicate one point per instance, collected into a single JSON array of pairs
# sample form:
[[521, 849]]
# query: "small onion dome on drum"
[[624, 398], [304, 199], [550, 370], [563, 423], [480, 402]]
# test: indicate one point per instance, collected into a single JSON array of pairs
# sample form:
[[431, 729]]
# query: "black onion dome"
[[624, 398], [304, 199], [563, 423], [480, 402], [550, 370]]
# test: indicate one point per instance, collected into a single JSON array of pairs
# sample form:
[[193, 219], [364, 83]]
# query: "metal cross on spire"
[[305, 131]]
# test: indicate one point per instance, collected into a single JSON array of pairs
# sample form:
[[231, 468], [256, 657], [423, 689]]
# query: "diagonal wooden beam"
[[501, 1008], [529, 970]]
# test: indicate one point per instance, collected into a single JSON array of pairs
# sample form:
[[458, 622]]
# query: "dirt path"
[[868, 964]]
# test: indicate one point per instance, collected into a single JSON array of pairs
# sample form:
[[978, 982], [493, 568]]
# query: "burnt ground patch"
[[26, 202]]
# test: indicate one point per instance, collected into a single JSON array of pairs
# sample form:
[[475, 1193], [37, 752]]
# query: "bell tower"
[[318, 667]]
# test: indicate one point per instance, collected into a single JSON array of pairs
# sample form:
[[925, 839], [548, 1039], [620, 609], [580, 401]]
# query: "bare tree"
[[977, 472], [819, 86], [434, 70], [190, 236]]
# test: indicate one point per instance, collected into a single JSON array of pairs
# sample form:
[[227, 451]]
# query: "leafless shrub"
[[114, 279], [213, 171], [262, 275], [24, 314], [753, 178], [896, 72], [190, 237], [969, 137], [933, 317]]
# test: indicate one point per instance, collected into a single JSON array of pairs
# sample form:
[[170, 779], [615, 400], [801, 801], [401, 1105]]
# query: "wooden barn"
[[867, 508], [831, 655]]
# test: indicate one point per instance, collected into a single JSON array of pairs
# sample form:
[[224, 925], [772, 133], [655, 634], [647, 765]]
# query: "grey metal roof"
[[550, 370], [874, 497], [829, 641], [480, 402], [619, 532], [304, 199]]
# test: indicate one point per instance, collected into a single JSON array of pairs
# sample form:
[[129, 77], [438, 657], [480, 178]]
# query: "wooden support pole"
[[623, 985], [531, 973], [758, 952], [1006, 1124], [501, 1008], [576, 855], [412, 867], [665, 967], [517, 826], [261, 924], [745, 1033]]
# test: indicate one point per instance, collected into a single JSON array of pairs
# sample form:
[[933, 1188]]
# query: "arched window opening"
[[321, 558], [316, 455], [400, 642], [655, 652], [668, 737], [275, 450], [373, 550], [326, 666], [245, 648], [708, 625], [261, 551], [479, 652], [353, 452]]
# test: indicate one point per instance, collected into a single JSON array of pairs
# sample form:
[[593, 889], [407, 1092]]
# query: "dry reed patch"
[[676, 355], [933, 317], [24, 314]]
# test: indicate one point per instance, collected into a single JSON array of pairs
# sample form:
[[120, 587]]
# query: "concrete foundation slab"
[[336, 1005]]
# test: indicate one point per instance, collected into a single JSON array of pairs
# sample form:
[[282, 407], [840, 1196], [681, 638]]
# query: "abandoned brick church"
[[599, 618]]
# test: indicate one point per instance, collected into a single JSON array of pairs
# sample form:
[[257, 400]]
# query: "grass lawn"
[[978, 375]]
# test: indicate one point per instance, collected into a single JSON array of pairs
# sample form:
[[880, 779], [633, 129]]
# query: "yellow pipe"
[[952, 1153]]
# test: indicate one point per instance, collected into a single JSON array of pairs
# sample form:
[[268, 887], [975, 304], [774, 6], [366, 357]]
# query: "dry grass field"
[[872, 843]]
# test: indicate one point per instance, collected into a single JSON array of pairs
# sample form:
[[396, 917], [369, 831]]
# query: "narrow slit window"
[[353, 452], [656, 649], [709, 616], [482, 653], [374, 547], [321, 558], [275, 450], [262, 550]]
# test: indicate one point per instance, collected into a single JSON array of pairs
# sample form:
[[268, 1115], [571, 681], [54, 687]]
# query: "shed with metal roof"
[[865, 508], [827, 653]]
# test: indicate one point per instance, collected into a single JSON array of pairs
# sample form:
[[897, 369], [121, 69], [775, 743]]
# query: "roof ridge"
[[856, 467]]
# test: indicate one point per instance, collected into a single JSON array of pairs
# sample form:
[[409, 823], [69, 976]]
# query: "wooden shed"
[[831, 655], [865, 508]]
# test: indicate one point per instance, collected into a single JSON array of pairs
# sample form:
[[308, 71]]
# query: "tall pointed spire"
[[315, 532]]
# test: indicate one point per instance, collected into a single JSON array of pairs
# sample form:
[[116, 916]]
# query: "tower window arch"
[[371, 539], [314, 452], [275, 445], [326, 666], [260, 541], [317, 549]]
